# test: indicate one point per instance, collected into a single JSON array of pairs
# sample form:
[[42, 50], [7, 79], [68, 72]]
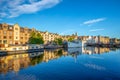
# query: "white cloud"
[[94, 30], [15, 8], [11, 23], [90, 22], [2, 14]]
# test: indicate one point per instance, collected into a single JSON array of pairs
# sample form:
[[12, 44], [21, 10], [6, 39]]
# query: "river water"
[[87, 63]]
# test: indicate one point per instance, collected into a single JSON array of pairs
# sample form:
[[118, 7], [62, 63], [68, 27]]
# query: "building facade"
[[95, 39], [103, 40], [13, 34], [114, 41], [49, 37], [6, 34]]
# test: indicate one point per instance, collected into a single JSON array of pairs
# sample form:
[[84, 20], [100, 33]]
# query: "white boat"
[[23, 48], [76, 43]]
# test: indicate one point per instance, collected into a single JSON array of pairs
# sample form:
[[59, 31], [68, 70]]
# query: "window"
[[10, 37], [36, 47], [10, 42], [16, 28], [4, 37], [29, 47], [0, 27], [10, 33], [4, 41], [14, 49], [32, 47], [4, 32], [10, 27], [21, 37], [25, 34], [16, 33], [26, 38], [5, 27], [20, 48], [0, 41]]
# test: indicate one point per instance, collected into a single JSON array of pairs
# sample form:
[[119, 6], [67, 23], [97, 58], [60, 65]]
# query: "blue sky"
[[86, 17]]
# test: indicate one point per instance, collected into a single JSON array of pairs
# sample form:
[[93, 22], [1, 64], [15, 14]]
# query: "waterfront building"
[[84, 38], [92, 40], [118, 41], [13, 34], [95, 39], [6, 34], [25, 35], [114, 41], [49, 37], [103, 40], [89, 39], [67, 37]]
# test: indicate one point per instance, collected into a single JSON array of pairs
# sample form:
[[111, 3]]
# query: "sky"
[[86, 17]]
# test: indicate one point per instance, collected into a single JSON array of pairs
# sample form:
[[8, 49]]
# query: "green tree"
[[58, 41], [35, 38], [70, 39]]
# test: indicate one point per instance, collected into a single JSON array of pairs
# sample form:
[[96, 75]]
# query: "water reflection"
[[14, 62], [94, 66], [18, 61], [53, 54], [89, 50]]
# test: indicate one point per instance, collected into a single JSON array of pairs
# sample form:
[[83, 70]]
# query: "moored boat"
[[23, 48]]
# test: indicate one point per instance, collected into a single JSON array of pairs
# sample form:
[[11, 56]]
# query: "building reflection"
[[18, 61], [14, 62], [53, 54], [88, 50], [95, 50]]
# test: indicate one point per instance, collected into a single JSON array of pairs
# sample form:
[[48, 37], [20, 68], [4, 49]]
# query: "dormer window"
[[16, 28], [5, 27], [0, 27], [10, 27]]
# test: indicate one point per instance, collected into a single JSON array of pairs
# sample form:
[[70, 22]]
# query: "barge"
[[29, 48]]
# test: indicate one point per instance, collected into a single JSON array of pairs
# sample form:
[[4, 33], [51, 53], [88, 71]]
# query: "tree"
[[58, 41], [35, 38], [70, 39]]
